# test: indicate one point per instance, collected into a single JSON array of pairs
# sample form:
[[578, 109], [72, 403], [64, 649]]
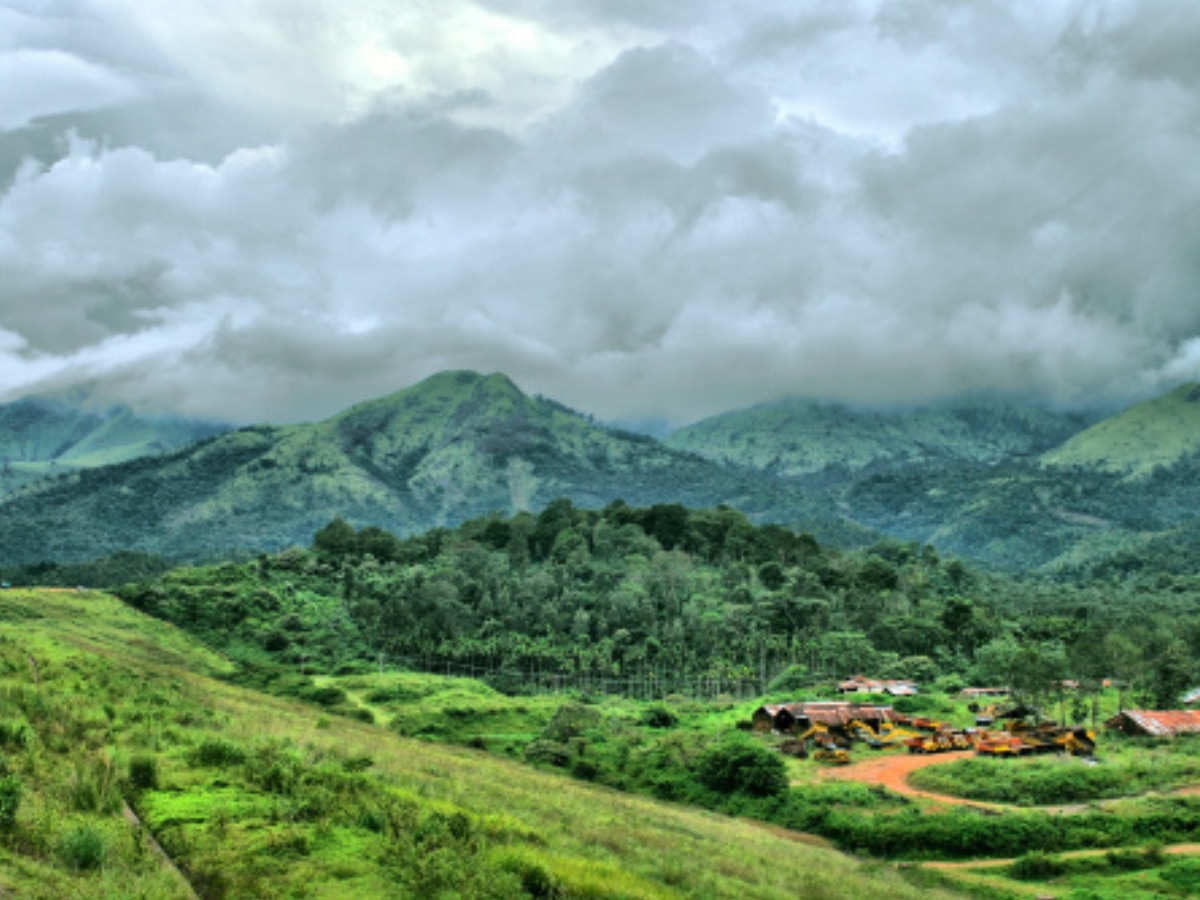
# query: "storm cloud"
[[271, 210]]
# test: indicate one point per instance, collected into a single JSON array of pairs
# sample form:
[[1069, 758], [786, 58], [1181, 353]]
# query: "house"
[[834, 714], [1192, 696], [858, 684], [1156, 723], [979, 693]]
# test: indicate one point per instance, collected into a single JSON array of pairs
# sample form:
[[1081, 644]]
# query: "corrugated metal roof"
[[1161, 723]]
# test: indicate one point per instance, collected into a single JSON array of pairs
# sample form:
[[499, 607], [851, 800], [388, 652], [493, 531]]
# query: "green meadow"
[[107, 715]]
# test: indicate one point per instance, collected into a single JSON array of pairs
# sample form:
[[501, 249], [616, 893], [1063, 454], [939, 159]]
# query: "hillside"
[[1157, 433], [455, 446], [796, 438], [252, 795], [39, 438]]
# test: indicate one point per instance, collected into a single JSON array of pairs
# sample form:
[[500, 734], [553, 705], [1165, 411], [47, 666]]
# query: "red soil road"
[[892, 771]]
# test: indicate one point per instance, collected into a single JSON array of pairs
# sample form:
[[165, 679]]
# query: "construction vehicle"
[[1076, 741], [865, 733], [835, 755]]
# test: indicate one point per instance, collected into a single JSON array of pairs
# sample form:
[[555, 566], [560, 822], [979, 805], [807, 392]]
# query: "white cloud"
[[276, 209], [36, 83]]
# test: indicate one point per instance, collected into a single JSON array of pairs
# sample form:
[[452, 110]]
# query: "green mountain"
[[40, 437], [1010, 486], [1157, 433], [453, 447], [798, 437]]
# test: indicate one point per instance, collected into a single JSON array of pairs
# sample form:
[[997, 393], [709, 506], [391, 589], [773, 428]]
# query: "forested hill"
[[801, 437], [1013, 487], [617, 596], [42, 437], [457, 445]]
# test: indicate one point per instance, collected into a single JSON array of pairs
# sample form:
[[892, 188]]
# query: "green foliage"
[[735, 765], [216, 752], [82, 849], [1049, 781], [659, 717], [1037, 866], [10, 799], [143, 772]]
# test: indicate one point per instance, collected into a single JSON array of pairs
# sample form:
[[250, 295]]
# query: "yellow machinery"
[[836, 756]]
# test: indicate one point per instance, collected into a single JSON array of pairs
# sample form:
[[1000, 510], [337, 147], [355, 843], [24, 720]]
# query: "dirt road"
[[892, 771]]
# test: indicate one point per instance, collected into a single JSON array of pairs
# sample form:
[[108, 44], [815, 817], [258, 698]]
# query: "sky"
[[268, 210]]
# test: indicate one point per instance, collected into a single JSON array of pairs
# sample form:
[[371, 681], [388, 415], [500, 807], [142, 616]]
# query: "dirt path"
[[892, 771], [1173, 849]]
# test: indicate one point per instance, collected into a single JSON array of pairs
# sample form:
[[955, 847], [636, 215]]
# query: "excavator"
[[828, 750]]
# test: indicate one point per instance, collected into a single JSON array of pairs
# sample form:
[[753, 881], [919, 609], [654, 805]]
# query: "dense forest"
[[661, 599]]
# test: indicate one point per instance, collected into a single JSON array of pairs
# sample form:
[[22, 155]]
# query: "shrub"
[[82, 849], [216, 752], [1037, 866], [571, 720], [324, 696], [741, 766], [10, 799], [659, 717], [93, 788], [549, 752], [143, 773], [16, 733]]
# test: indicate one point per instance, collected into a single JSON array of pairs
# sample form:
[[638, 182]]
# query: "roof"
[[1192, 696], [876, 685], [1159, 723]]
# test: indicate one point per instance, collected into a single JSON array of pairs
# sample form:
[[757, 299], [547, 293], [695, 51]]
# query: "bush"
[[143, 773], [10, 799], [549, 752], [324, 696], [571, 720], [217, 753], [659, 717], [82, 849], [15, 733], [93, 788], [1037, 866], [741, 766]]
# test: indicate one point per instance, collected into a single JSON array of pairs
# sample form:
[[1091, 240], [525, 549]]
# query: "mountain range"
[[1009, 485], [42, 437], [455, 446]]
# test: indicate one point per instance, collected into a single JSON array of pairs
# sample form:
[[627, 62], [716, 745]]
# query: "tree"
[[1171, 673], [336, 540]]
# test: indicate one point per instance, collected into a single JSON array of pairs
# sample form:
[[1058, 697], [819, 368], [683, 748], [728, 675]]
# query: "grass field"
[[255, 796]]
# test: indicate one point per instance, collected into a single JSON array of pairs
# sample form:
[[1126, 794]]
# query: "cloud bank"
[[270, 210]]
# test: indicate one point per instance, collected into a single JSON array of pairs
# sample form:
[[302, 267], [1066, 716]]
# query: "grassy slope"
[[111, 684], [1158, 432]]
